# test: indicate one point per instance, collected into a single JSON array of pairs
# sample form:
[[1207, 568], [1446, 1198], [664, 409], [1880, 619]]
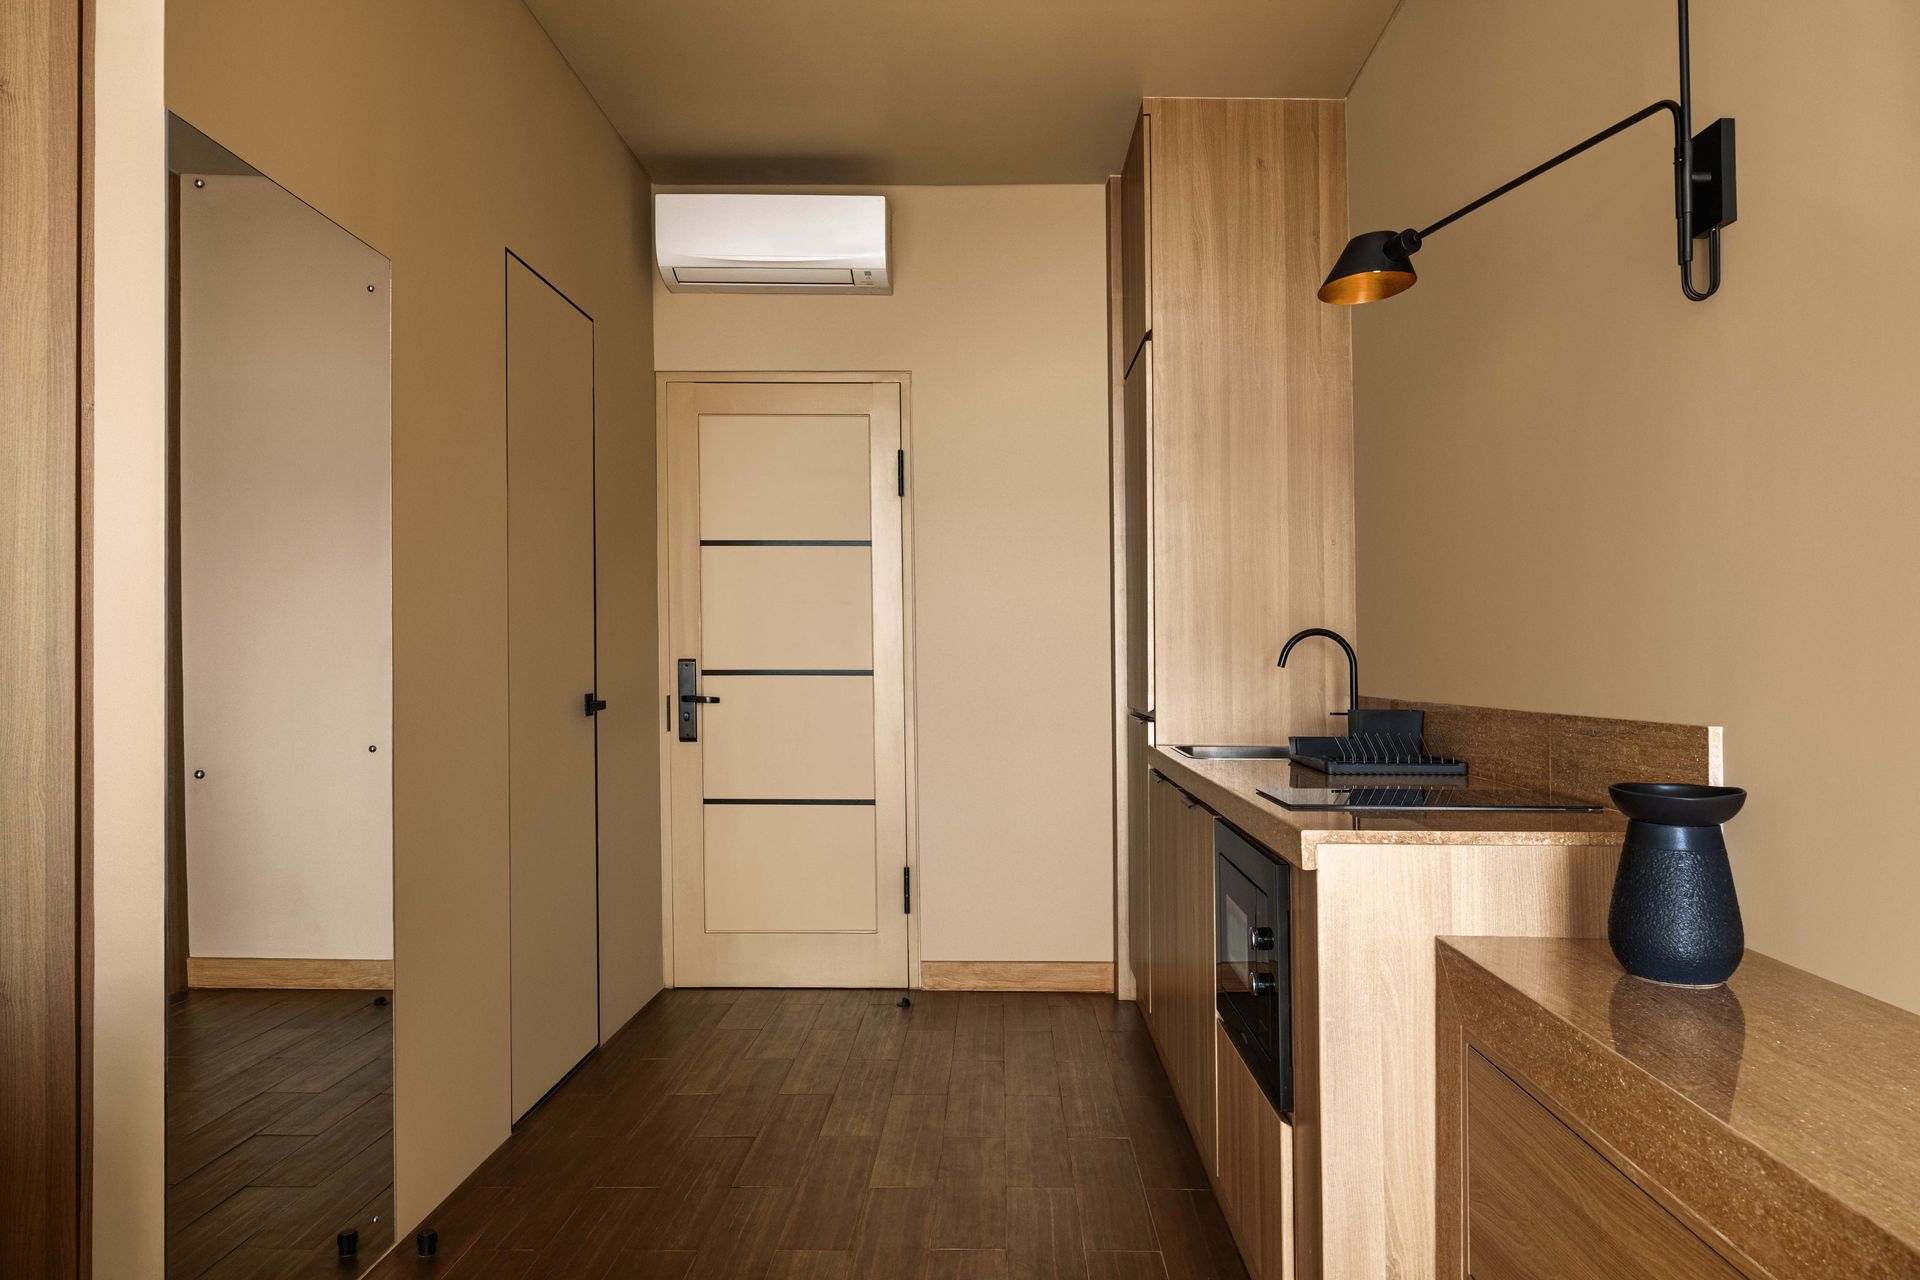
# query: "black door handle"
[[1144, 717], [594, 704], [697, 697]]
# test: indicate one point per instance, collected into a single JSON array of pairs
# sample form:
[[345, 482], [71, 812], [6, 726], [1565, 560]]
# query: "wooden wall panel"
[[41, 221], [1576, 756]]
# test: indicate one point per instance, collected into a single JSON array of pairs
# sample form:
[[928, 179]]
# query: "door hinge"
[[900, 472], [906, 890]]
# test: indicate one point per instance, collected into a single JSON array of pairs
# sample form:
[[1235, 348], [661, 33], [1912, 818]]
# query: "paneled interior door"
[[786, 674], [553, 858]]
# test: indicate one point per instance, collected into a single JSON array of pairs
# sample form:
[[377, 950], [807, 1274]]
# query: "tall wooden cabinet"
[[1234, 498], [1239, 422], [1233, 506]]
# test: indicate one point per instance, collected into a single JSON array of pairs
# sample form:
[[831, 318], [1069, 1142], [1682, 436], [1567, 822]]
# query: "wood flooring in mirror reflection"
[[759, 1134], [279, 1132]]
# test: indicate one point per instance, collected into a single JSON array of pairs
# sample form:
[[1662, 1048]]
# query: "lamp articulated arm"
[[1377, 264]]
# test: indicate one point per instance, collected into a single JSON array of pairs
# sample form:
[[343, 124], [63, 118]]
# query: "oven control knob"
[[1261, 938], [1263, 984]]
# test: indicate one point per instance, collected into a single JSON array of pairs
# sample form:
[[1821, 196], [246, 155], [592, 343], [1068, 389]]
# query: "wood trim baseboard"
[[289, 975], [1016, 975]]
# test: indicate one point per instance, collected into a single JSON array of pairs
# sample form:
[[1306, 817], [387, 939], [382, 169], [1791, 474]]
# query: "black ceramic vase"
[[1675, 919]]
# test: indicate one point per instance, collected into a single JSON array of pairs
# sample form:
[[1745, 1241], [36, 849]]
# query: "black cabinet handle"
[[1144, 717], [594, 705]]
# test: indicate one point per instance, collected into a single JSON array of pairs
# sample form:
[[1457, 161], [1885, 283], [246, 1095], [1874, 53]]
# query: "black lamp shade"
[[1367, 271]]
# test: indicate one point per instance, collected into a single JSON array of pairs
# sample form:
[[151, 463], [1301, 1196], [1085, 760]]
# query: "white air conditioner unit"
[[712, 243]]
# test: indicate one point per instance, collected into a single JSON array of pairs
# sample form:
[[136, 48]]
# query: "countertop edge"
[[1299, 837]]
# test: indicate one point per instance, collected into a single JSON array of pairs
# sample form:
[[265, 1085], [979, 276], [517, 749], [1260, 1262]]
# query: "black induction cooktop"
[[1417, 796]]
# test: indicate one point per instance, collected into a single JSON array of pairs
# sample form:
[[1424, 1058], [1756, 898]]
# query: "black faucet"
[[1353, 667]]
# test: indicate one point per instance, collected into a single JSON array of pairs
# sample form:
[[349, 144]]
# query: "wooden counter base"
[[1770, 1128]]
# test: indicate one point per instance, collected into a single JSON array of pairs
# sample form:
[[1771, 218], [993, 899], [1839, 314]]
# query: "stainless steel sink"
[[1233, 753]]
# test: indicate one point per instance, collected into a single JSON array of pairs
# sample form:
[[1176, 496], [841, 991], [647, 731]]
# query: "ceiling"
[[919, 91]]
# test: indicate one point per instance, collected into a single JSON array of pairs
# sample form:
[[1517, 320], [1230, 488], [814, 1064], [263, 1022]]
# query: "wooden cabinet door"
[[1541, 1202], [1140, 788], [1246, 407], [1196, 946], [1177, 991], [1164, 807], [1136, 246], [1254, 1169]]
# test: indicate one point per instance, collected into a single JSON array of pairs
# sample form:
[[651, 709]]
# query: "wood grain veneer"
[[1255, 1177], [1774, 1117], [1252, 423], [1016, 975], [1365, 1045], [1540, 1202], [43, 216], [1577, 756], [290, 975], [1181, 970]]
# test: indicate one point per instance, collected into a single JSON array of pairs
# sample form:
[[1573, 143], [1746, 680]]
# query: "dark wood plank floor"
[[826, 1135], [279, 1132]]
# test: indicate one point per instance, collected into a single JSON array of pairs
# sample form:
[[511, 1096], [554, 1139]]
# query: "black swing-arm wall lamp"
[[1378, 264]]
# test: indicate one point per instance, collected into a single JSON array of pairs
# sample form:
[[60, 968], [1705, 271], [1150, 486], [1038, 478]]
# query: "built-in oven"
[[1253, 983]]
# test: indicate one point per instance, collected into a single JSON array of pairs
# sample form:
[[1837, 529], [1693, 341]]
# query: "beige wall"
[[999, 313], [442, 134], [1579, 492], [127, 603]]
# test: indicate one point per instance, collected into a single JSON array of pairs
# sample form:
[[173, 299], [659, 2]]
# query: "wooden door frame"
[[666, 674], [46, 433]]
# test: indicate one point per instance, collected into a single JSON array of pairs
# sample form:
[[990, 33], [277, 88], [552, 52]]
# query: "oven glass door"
[[1245, 977], [1252, 971], [1243, 908]]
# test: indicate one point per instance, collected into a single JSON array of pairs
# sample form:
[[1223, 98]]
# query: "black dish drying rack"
[[1404, 755]]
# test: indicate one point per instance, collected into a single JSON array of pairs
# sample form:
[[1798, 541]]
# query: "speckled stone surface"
[[1231, 789], [1781, 1111]]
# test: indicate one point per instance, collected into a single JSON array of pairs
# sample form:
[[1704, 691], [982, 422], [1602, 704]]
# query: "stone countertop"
[[1782, 1109], [1230, 788]]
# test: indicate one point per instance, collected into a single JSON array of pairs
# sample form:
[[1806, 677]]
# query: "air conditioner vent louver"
[[755, 243]]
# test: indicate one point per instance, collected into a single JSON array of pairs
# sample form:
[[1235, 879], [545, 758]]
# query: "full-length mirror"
[[280, 869]]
